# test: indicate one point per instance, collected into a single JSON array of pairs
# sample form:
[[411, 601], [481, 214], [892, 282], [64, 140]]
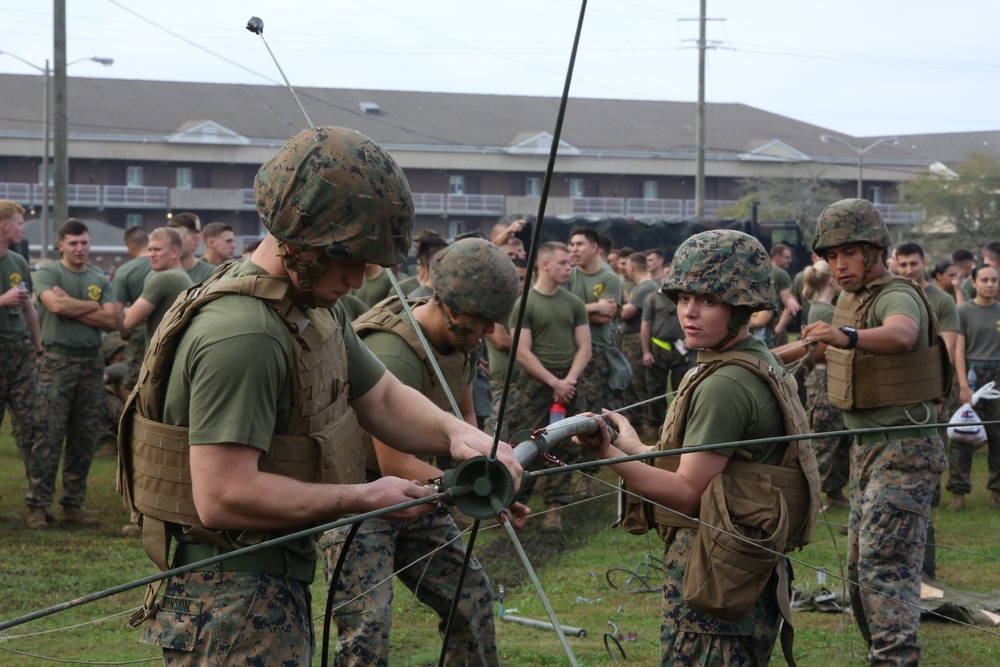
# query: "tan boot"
[[552, 521], [957, 503], [79, 517], [36, 519], [131, 530], [836, 500], [995, 501]]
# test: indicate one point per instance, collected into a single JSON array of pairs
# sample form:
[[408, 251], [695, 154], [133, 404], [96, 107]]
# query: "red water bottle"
[[557, 412]]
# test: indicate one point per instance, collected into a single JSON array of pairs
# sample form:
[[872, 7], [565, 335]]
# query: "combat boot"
[[995, 501], [552, 521], [36, 518], [957, 503], [835, 500], [79, 517]]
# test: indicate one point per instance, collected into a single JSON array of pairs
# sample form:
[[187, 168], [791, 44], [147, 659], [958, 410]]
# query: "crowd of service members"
[[622, 346]]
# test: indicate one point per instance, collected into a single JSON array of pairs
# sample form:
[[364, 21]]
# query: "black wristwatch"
[[852, 334]]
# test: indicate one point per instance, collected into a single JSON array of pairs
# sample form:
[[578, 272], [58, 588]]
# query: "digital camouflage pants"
[[689, 636], [636, 390], [233, 618], [18, 391], [960, 453], [70, 406], [892, 482], [833, 454], [529, 409], [363, 598]]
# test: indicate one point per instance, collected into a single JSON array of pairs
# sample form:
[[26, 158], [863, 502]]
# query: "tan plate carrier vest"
[[797, 478], [322, 443], [386, 316], [860, 380]]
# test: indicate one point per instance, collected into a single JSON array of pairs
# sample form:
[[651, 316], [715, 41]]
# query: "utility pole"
[[60, 209], [699, 132]]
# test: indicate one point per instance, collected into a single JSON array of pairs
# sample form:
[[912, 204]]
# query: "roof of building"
[[161, 111]]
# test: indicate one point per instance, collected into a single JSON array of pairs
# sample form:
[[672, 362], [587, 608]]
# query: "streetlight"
[[46, 119], [827, 138]]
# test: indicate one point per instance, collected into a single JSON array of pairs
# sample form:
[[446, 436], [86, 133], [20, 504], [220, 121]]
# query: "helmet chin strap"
[[737, 320], [459, 332], [308, 272]]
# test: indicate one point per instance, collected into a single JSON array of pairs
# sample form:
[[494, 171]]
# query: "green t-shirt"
[[200, 271], [734, 404], [374, 289], [820, 311], [13, 272], [407, 285], [591, 288], [897, 298], [944, 307], [353, 306], [87, 285], [552, 321], [981, 327], [499, 359], [130, 279], [400, 360], [661, 312], [221, 396], [637, 297], [161, 290]]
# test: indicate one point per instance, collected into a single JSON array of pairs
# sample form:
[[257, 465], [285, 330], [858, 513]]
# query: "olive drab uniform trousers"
[[70, 406], [892, 482], [414, 553], [18, 391], [833, 454]]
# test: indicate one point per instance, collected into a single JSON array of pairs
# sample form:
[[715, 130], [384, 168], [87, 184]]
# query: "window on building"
[[650, 190], [456, 185], [875, 194], [455, 227], [533, 186], [185, 178], [133, 220], [576, 187], [41, 174], [133, 177]]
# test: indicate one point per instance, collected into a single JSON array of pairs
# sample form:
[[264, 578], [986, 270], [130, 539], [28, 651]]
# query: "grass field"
[[43, 569]]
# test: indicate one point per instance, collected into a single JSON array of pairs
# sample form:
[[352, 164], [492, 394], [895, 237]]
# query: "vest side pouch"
[[634, 512], [725, 575]]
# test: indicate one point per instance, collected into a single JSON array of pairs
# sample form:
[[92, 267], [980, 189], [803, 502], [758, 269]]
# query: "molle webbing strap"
[[860, 380]]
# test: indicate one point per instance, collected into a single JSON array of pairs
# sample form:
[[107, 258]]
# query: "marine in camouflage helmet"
[[335, 190], [475, 277], [727, 265], [850, 221]]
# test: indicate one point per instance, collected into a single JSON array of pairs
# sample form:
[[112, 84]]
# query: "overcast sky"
[[862, 67]]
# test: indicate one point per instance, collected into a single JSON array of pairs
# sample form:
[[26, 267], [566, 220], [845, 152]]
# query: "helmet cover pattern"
[[850, 221], [335, 190], [727, 265], [475, 277]]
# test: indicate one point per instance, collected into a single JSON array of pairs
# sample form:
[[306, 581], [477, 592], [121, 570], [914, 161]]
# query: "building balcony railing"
[[89, 196], [425, 203], [646, 207]]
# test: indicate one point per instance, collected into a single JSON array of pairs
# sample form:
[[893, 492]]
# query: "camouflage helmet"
[[850, 221], [336, 190], [475, 277], [724, 264]]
